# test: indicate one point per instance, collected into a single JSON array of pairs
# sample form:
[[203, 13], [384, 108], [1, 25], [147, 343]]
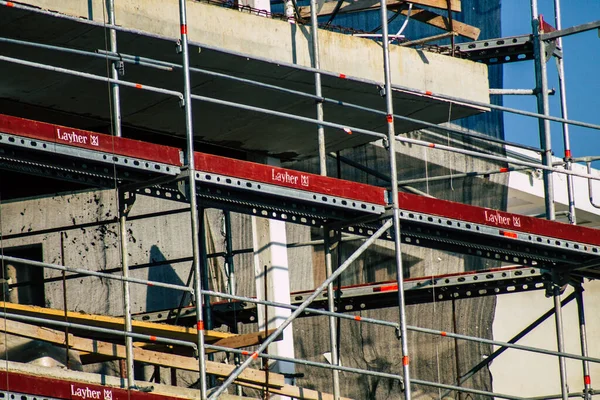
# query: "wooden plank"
[[362, 5], [439, 21], [245, 340], [91, 346], [147, 328], [235, 342]]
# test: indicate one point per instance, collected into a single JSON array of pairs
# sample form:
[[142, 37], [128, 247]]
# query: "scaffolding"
[[550, 254]]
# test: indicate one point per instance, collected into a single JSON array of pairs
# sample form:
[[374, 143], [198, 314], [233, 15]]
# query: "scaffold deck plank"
[[368, 296], [147, 328]]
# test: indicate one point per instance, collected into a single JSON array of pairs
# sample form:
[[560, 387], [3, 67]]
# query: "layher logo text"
[[86, 393], [289, 178], [498, 219], [73, 137]]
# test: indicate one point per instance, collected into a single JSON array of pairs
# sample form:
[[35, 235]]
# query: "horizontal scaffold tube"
[[140, 336], [502, 344], [364, 371], [395, 325], [103, 56], [91, 76], [286, 115], [135, 59], [494, 157], [307, 362], [8, 259], [307, 310]]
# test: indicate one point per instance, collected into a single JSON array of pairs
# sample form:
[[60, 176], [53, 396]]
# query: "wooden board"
[[117, 351], [147, 328], [236, 342], [439, 21], [362, 5]]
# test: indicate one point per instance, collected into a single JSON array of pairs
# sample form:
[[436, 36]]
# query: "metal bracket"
[[549, 50], [560, 280], [182, 184], [120, 66], [126, 201]]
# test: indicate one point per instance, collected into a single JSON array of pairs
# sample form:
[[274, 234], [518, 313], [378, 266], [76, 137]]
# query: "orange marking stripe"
[[511, 235]]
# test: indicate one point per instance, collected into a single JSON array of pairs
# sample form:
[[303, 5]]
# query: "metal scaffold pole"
[[323, 171], [335, 360], [124, 207], [394, 194], [191, 192], [587, 380], [541, 79], [318, 90], [561, 343], [114, 72], [564, 113], [541, 76]]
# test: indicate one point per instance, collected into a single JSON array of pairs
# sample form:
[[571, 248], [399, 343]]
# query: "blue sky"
[[582, 70]]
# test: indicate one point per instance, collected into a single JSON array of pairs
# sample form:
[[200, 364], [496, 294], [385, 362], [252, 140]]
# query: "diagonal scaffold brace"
[[233, 376]]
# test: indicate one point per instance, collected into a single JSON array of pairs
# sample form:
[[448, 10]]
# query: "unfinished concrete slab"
[[233, 43]]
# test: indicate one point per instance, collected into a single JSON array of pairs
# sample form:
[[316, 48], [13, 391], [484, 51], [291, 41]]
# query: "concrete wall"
[[281, 41], [527, 374]]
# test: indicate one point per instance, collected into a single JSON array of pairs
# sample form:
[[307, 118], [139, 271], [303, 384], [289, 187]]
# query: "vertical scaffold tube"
[[189, 160], [318, 90], [114, 73], [587, 381], [323, 171], [394, 194], [541, 80], [123, 210], [565, 115], [332, 320], [231, 283], [564, 390]]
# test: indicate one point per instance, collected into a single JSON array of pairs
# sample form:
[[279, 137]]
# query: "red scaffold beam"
[[290, 178], [499, 219], [69, 390], [89, 140]]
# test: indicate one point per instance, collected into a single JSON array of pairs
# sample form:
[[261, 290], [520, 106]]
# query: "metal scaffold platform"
[[64, 131]]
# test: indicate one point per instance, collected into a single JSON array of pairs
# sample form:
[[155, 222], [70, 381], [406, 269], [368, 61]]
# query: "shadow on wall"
[[159, 298]]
